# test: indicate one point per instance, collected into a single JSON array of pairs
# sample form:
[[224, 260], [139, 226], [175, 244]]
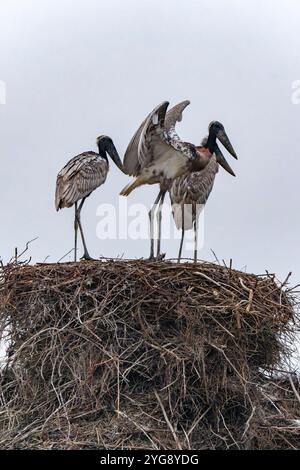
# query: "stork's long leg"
[[76, 231], [151, 212], [195, 233], [182, 233], [159, 218], [86, 253]]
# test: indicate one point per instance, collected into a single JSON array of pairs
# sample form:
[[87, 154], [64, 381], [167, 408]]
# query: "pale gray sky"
[[75, 69]]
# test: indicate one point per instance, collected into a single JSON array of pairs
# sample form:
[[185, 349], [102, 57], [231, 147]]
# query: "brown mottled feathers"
[[79, 177], [191, 189]]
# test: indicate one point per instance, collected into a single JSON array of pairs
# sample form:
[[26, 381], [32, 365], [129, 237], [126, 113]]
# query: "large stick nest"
[[145, 355]]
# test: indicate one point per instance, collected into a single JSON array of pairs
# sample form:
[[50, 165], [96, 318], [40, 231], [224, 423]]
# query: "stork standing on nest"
[[189, 193], [156, 154], [80, 177]]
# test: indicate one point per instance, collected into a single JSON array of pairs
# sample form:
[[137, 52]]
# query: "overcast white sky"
[[75, 69]]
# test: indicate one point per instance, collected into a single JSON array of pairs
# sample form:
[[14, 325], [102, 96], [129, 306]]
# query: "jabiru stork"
[[189, 193], [80, 177], [156, 154]]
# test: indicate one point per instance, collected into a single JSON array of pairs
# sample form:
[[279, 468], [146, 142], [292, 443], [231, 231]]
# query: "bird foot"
[[159, 257], [87, 257]]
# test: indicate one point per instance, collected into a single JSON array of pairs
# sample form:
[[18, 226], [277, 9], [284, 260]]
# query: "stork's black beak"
[[223, 138], [113, 153], [222, 161]]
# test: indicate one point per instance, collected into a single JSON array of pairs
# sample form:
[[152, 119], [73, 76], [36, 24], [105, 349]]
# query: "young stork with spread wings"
[[156, 154]]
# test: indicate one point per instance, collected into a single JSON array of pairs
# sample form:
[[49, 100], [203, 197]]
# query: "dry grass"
[[137, 354]]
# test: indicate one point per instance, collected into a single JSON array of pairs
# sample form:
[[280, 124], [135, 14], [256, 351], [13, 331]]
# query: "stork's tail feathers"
[[138, 181]]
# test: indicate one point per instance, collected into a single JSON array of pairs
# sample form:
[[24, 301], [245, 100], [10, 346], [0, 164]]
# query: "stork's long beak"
[[222, 161], [223, 138], [113, 153]]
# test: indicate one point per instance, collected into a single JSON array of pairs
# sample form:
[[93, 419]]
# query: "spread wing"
[[140, 149], [156, 136], [173, 116], [79, 177]]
